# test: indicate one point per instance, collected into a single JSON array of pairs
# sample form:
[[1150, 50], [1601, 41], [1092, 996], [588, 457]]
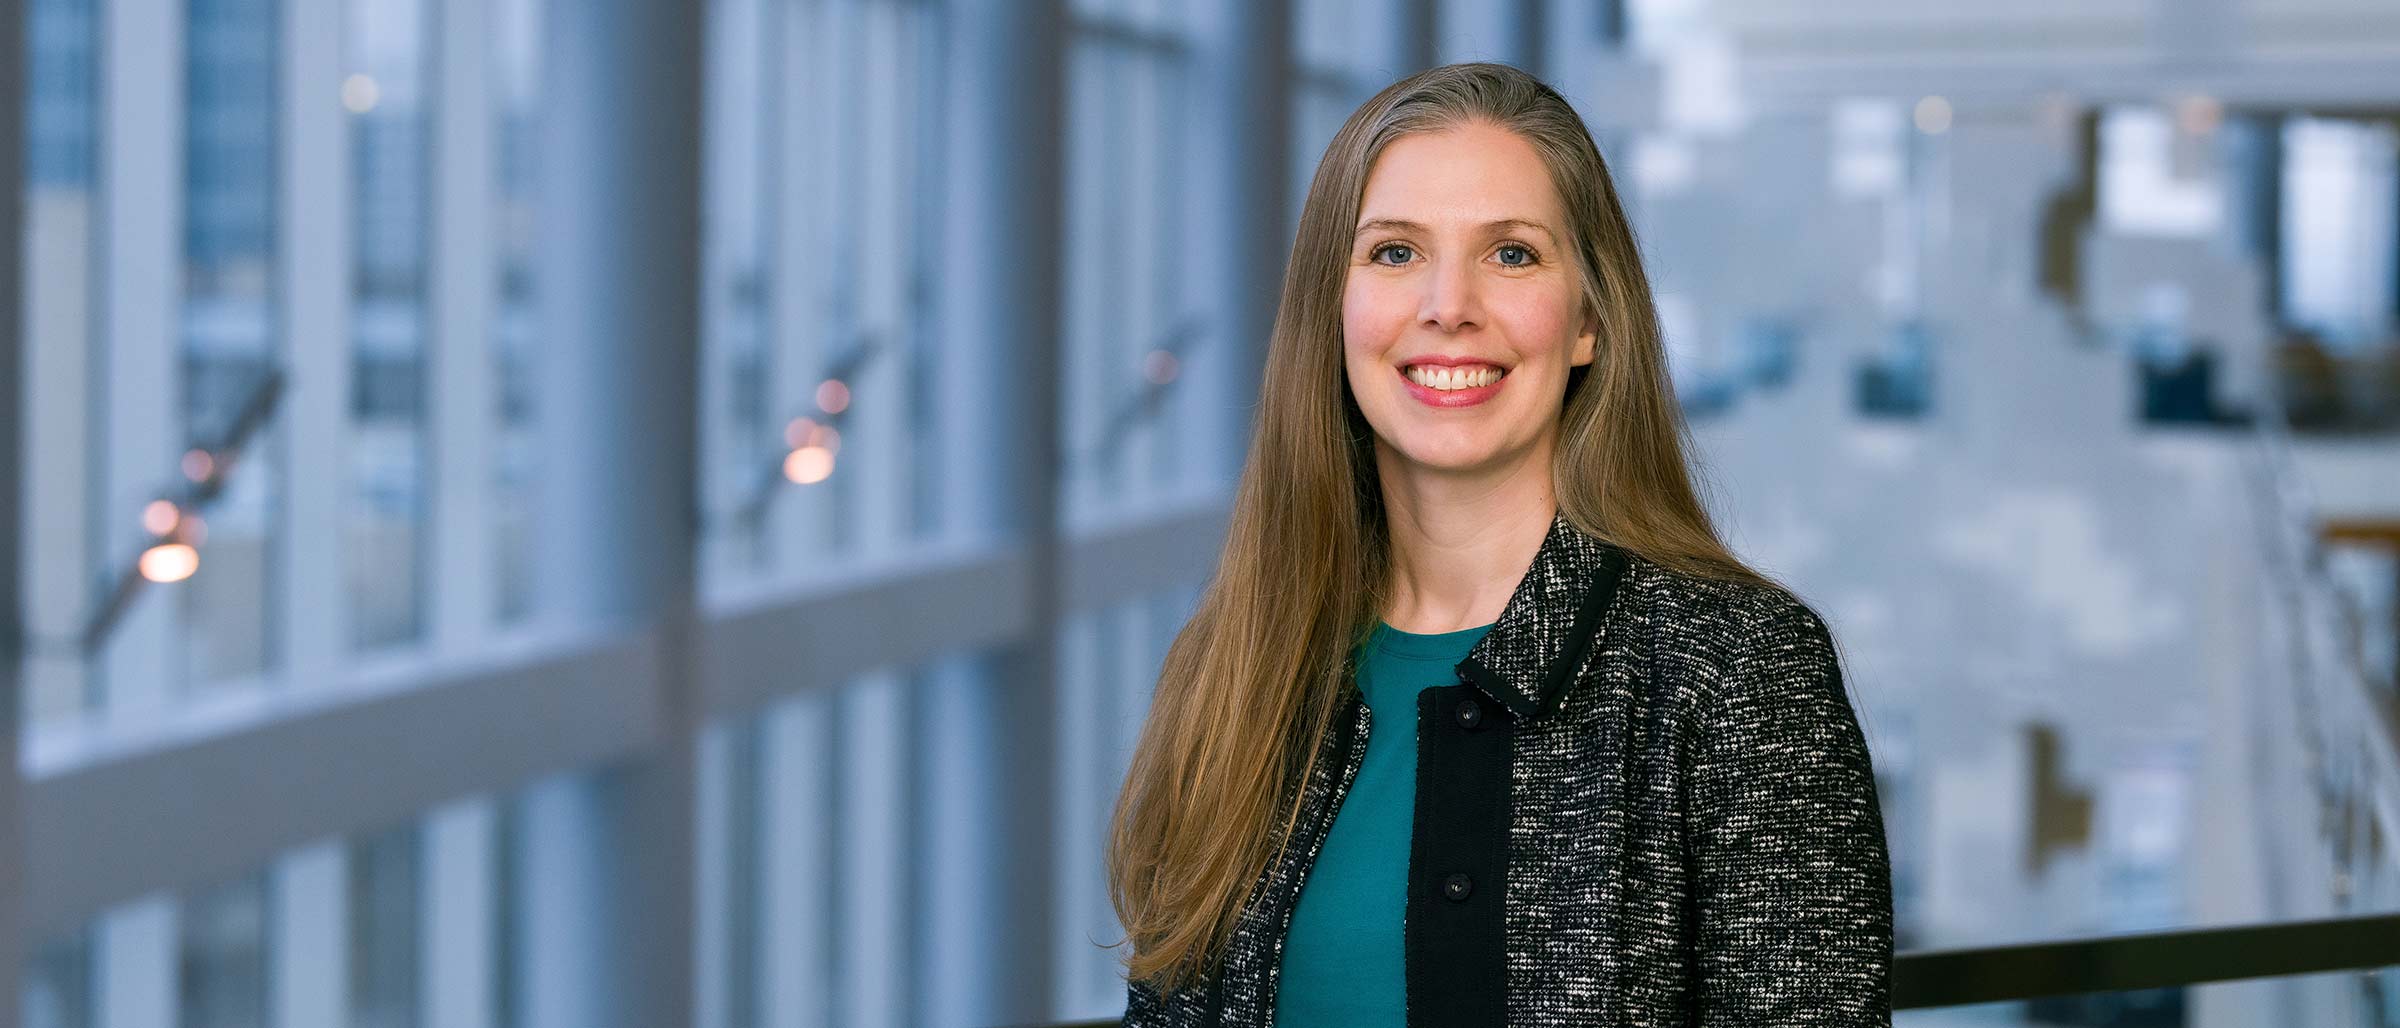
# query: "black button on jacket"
[[1647, 803]]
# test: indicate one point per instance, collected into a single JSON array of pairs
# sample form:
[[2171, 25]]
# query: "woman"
[[1613, 776]]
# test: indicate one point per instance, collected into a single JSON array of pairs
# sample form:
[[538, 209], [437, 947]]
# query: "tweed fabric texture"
[[1694, 832]]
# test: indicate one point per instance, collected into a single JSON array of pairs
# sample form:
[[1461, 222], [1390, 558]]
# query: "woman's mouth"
[[1460, 385]]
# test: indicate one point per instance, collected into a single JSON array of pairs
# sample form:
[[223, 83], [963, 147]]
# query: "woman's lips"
[[1432, 397]]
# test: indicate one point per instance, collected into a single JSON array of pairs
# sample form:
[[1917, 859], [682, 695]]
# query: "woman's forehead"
[[1472, 177]]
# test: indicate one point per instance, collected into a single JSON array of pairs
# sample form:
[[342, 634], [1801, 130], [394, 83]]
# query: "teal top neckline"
[[1421, 645]]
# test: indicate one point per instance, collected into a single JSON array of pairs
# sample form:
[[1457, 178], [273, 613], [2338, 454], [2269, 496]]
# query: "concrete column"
[[1002, 447], [1242, 213], [608, 880]]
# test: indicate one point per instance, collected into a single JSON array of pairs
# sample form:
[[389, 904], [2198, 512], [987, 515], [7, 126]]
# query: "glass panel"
[[384, 942], [516, 75], [223, 973], [742, 469], [822, 357], [1132, 326], [231, 344], [384, 89], [1108, 663], [60, 255], [2341, 182], [58, 985]]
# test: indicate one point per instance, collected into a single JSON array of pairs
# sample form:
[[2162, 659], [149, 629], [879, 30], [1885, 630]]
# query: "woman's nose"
[[1449, 298]]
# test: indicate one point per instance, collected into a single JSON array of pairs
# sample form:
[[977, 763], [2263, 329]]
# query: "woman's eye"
[[1527, 259], [1400, 248]]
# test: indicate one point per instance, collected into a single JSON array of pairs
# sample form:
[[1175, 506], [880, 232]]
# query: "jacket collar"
[[1530, 656]]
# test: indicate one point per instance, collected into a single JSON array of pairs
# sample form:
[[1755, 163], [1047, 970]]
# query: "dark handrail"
[[2121, 963]]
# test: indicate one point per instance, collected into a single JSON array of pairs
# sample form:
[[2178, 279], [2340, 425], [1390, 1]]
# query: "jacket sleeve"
[[1792, 877], [1145, 1007]]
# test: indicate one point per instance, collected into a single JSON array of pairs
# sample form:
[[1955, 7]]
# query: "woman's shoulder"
[[1716, 629], [1714, 609]]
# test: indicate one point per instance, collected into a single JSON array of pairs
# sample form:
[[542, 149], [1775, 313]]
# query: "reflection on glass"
[[516, 75], [384, 89], [230, 334], [222, 979]]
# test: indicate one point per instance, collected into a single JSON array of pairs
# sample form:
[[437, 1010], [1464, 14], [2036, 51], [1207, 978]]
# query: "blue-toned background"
[[547, 513]]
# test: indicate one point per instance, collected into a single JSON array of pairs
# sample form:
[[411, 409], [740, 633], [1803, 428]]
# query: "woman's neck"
[[1460, 544]]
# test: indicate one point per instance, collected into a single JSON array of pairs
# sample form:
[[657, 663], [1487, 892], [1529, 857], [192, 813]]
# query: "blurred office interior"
[[623, 513]]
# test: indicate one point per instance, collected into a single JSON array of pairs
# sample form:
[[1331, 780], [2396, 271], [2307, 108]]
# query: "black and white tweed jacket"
[[1646, 803]]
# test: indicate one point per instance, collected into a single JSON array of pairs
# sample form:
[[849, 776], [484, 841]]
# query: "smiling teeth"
[[1434, 376]]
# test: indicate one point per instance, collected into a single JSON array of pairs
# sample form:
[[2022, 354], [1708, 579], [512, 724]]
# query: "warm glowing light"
[[1161, 367], [1933, 115], [159, 517], [828, 438], [833, 397], [169, 562], [808, 465], [360, 93], [799, 432], [198, 465]]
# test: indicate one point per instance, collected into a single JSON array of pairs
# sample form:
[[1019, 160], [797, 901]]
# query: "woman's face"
[[1459, 315]]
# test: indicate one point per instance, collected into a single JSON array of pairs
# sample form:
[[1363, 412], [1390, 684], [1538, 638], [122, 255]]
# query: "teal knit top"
[[1342, 958]]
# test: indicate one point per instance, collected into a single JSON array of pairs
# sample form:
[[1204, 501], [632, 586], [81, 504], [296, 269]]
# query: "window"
[[1132, 326], [384, 89], [822, 355]]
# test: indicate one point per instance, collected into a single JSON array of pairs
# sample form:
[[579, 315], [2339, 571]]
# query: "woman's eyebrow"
[[1404, 225]]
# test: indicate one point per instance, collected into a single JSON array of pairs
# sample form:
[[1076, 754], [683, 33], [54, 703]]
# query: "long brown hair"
[[1255, 677]]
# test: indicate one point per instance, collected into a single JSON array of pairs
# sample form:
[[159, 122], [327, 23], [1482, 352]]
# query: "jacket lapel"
[[1530, 656]]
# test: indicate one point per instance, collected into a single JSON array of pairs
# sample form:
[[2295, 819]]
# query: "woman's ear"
[[1588, 342]]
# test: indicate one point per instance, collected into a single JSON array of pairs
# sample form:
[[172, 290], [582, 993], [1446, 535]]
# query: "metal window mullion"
[[464, 417], [457, 949], [143, 61], [135, 954], [797, 927], [868, 873], [1081, 793], [313, 237]]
